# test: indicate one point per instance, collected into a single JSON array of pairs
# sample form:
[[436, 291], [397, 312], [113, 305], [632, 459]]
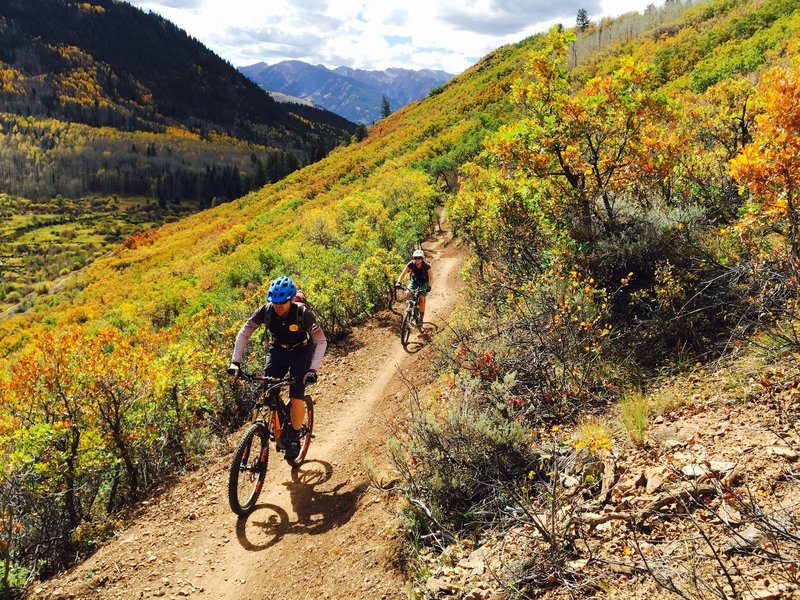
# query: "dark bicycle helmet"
[[281, 290]]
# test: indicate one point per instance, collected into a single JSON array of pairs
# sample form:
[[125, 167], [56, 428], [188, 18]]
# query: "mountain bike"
[[249, 465], [410, 314]]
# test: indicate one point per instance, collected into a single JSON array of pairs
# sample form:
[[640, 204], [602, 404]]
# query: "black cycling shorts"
[[295, 362]]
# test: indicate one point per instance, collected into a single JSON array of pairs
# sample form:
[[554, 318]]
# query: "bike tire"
[[248, 469], [405, 328], [306, 433]]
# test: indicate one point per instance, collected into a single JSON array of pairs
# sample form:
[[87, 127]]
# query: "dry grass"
[[634, 410]]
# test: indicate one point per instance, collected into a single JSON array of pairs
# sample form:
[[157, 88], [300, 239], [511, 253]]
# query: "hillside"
[[109, 63], [101, 98], [112, 121], [630, 220], [356, 94]]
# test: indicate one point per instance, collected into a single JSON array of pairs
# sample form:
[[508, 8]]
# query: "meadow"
[[42, 242]]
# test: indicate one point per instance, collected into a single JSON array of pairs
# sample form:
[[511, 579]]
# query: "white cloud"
[[504, 17], [371, 34]]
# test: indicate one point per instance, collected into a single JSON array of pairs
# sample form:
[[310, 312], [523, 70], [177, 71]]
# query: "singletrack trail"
[[317, 532]]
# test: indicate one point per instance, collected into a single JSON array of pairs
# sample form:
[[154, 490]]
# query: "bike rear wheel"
[[248, 469], [306, 432], [405, 327]]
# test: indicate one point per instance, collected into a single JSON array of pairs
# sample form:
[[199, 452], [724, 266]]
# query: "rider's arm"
[[255, 321], [430, 276], [405, 270], [317, 338]]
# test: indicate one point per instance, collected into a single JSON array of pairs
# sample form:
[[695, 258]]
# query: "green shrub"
[[464, 461]]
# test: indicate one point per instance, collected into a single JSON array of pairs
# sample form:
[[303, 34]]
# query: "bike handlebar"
[[400, 286]]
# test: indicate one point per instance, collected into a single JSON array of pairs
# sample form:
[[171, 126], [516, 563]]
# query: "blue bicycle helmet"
[[281, 290]]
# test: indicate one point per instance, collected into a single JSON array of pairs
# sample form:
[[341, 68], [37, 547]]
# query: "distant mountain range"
[[355, 94]]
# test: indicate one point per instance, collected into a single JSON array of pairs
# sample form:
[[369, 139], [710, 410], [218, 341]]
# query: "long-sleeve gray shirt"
[[297, 327]]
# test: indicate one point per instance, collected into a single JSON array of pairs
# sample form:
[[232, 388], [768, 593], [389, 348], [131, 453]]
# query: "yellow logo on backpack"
[[294, 327]]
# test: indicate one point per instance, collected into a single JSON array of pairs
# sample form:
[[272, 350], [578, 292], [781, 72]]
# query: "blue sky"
[[375, 34]]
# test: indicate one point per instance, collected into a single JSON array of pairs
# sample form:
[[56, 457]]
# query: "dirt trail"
[[317, 532]]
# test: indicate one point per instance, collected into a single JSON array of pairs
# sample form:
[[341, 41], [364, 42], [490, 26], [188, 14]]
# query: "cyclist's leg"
[[422, 288], [299, 363]]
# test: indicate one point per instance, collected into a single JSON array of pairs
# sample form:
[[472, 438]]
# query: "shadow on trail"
[[423, 337], [318, 510], [267, 518]]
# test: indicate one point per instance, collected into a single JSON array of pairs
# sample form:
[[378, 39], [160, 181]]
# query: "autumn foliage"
[[638, 213], [770, 165], [624, 213]]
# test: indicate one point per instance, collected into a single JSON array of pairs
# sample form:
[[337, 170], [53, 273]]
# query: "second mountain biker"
[[297, 345], [421, 279]]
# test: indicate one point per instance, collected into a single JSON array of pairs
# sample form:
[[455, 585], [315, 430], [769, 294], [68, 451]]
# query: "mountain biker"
[[297, 345], [421, 280]]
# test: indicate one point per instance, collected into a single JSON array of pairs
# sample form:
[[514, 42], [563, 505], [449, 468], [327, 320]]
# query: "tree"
[[587, 150], [770, 165], [386, 108], [582, 21], [360, 133]]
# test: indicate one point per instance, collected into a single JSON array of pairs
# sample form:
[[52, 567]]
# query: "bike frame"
[[271, 398], [412, 304], [411, 313]]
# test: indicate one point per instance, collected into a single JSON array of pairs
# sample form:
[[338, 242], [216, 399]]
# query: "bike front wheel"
[[306, 432], [405, 327], [248, 469]]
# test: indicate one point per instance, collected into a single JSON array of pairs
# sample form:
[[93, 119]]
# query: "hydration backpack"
[[302, 305], [300, 298]]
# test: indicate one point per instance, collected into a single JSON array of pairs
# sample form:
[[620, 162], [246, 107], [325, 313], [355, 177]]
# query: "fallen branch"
[[448, 537]]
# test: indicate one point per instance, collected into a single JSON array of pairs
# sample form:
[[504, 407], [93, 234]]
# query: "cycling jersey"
[[291, 332], [419, 275]]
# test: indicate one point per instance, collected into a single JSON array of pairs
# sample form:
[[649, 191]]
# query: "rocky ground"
[[706, 506]]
